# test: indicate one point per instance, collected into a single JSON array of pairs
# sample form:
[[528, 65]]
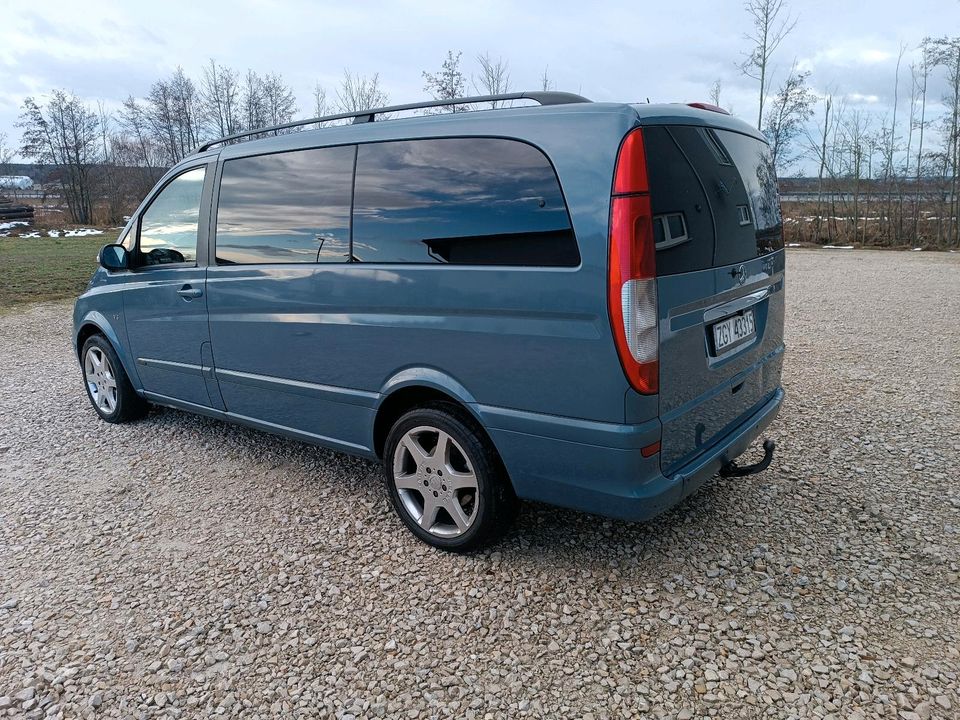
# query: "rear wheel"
[[445, 479], [108, 386]]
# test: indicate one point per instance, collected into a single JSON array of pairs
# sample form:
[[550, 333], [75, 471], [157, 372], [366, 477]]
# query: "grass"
[[37, 269]]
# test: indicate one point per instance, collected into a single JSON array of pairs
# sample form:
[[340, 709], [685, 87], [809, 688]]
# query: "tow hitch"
[[731, 469]]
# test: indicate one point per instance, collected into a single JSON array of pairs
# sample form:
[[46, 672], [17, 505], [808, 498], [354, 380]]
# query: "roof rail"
[[361, 116]]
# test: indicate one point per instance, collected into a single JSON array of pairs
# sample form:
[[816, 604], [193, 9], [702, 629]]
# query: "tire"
[[108, 387], [426, 487]]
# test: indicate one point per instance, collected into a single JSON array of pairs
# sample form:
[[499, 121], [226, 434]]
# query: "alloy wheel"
[[101, 382], [435, 481]]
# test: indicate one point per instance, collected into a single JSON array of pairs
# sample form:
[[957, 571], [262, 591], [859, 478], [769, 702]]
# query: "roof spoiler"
[[708, 106]]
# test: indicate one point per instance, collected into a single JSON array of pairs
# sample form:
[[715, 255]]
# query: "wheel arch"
[[416, 387], [94, 323], [84, 333]]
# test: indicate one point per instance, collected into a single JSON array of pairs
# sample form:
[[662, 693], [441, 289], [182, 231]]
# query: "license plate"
[[733, 330]]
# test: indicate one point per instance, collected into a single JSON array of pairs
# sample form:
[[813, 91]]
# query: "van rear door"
[[720, 267]]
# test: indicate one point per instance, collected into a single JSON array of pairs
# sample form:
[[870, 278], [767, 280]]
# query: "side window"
[[467, 201], [291, 207], [126, 239], [168, 227]]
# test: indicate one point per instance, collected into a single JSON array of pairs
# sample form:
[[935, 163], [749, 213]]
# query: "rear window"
[[291, 207], [713, 195], [466, 201], [682, 223], [752, 158]]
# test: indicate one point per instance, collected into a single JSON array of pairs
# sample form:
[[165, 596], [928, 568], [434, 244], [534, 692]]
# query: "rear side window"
[[291, 207], [714, 198], [467, 201]]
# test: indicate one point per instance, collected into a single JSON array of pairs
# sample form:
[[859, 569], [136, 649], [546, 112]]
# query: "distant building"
[[15, 182]]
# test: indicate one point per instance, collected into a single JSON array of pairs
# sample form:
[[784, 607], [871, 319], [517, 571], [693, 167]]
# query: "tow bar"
[[731, 469]]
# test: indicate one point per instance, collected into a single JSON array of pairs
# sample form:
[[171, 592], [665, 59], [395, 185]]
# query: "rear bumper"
[[614, 479]]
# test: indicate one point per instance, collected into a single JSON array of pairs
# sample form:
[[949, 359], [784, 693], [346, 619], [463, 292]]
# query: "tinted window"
[[753, 160], [286, 208], [479, 201], [168, 227], [683, 225], [722, 186]]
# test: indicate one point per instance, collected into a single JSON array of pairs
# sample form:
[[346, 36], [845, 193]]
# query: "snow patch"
[[81, 232], [838, 247], [12, 224], [793, 244]]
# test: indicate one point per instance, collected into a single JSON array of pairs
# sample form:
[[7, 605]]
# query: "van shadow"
[[558, 537], [542, 536]]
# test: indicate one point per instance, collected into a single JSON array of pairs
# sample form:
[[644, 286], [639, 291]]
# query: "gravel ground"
[[182, 567]]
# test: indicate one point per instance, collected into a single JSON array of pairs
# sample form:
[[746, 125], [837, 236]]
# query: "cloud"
[[615, 50]]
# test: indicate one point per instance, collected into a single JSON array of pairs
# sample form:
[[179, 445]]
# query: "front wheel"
[[446, 481], [108, 386]]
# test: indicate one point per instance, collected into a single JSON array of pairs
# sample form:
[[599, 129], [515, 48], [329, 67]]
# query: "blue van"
[[574, 303]]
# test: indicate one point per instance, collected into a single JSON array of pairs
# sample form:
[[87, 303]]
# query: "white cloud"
[[859, 98], [609, 50]]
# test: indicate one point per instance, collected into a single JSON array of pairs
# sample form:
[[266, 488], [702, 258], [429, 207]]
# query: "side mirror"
[[114, 257]]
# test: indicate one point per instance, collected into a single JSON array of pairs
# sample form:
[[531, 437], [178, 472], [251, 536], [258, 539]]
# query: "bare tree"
[[494, 78], [64, 133], [856, 145], [769, 30], [159, 113], [819, 148], [186, 115], [253, 108], [320, 106], [890, 145], [109, 183], [279, 104], [447, 84], [137, 144], [926, 62], [358, 93], [220, 100], [789, 111], [715, 92], [546, 84], [172, 114], [6, 155], [946, 52], [904, 170]]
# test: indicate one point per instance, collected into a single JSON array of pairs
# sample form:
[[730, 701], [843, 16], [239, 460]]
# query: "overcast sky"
[[629, 51]]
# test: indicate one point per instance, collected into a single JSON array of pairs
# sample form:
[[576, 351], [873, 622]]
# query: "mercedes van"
[[574, 303]]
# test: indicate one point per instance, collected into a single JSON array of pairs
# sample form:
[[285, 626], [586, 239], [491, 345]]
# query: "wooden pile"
[[10, 210]]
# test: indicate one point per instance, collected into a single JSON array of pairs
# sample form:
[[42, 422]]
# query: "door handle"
[[188, 293]]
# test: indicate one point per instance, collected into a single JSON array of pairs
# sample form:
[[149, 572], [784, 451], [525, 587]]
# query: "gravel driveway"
[[182, 567]]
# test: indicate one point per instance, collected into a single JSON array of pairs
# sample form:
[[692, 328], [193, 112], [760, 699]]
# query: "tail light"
[[632, 287]]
